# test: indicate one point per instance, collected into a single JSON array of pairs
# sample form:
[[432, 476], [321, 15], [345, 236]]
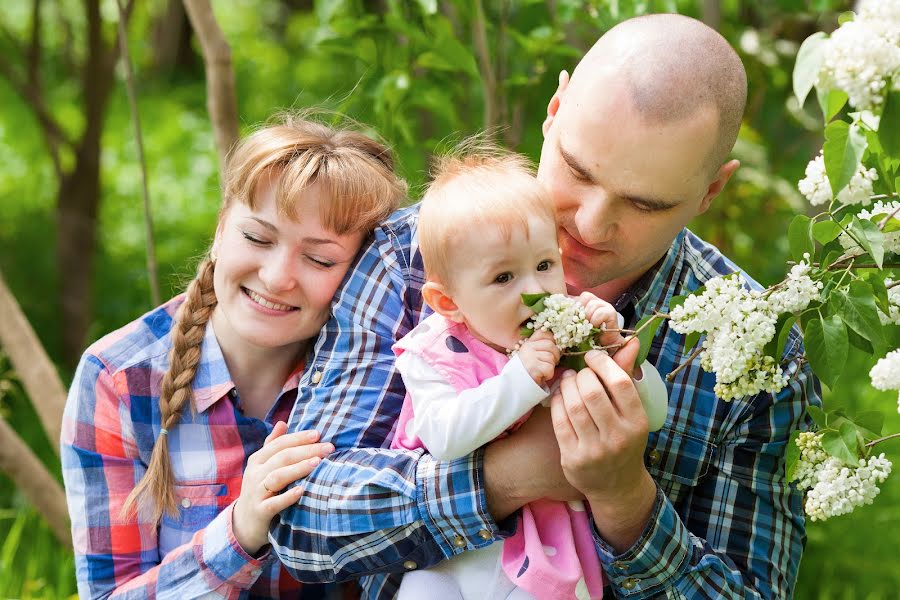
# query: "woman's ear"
[[435, 296]]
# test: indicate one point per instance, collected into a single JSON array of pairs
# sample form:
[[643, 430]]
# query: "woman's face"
[[275, 277]]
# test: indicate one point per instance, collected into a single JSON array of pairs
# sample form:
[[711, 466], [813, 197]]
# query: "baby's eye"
[[544, 265], [503, 278]]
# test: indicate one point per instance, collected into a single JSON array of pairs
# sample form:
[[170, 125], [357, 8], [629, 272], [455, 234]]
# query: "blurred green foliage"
[[411, 71]]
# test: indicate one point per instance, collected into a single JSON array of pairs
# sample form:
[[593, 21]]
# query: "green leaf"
[[831, 102], [429, 7], [848, 434], [800, 237], [889, 125], [857, 309], [870, 237], [846, 17], [879, 291], [792, 455], [775, 347], [826, 348], [808, 64], [843, 149], [676, 301], [646, 336], [834, 444], [825, 231], [533, 300], [575, 362], [525, 332], [858, 341], [871, 423], [818, 416], [691, 339]]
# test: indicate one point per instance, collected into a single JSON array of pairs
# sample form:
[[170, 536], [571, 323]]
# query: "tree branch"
[[221, 100], [34, 480], [485, 67], [34, 368], [138, 138]]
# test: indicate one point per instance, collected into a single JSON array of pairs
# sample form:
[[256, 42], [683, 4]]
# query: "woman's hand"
[[282, 460]]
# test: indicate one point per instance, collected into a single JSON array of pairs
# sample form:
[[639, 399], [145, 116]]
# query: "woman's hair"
[[479, 184], [358, 174]]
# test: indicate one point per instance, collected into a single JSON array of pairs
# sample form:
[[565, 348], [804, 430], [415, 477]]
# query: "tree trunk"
[[221, 98], [172, 40], [31, 364], [78, 199], [35, 482]]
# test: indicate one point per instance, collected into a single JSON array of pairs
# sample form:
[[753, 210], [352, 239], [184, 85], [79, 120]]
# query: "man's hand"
[[539, 355], [525, 466], [602, 432]]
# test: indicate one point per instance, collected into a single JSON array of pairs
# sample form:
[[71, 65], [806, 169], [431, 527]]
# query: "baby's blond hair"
[[479, 184]]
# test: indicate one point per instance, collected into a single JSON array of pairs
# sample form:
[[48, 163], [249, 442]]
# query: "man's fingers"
[[581, 420], [623, 397], [627, 354], [596, 402], [562, 427]]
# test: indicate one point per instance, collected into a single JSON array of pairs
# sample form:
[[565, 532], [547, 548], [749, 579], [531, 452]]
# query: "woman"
[[173, 446]]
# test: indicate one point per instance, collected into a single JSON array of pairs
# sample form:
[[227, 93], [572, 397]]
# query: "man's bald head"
[[673, 67]]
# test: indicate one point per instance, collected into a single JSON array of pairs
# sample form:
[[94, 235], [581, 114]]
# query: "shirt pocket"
[[197, 505], [678, 461]]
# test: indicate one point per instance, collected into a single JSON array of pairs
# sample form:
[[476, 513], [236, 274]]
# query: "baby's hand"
[[540, 355], [602, 315]]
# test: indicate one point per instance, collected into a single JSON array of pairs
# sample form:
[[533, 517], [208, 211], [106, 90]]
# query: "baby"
[[487, 234]]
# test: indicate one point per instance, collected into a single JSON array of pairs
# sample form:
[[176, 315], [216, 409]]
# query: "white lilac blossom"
[[564, 317], [738, 323], [797, 291], [817, 189], [885, 374], [862, 55], [833, 487], [891, 239], [893, 316]]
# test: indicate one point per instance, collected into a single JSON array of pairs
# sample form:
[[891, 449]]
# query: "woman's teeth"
[[270, 305]]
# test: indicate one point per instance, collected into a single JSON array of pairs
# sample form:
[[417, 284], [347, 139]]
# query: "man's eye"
[[576, 174], [640, 207], [503, 278], [544, 265]]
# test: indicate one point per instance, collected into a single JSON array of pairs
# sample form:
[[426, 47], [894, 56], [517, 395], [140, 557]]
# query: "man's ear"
[[722, 177], [553, 106], [435, 296]]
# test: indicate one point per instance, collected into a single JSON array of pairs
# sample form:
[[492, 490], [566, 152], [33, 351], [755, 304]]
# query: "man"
[[636, 145]]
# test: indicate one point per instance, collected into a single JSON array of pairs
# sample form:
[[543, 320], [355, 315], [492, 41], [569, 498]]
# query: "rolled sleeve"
[[223, 558], [453, 505], [659, 555]]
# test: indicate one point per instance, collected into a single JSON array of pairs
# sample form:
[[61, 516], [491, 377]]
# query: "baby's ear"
[[435, 296]]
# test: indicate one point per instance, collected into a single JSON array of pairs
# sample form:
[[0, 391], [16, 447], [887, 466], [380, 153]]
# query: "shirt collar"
[[653, 291], [212, 380]]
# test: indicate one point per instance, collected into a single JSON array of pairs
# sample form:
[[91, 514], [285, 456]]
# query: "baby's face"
[[490, 272]]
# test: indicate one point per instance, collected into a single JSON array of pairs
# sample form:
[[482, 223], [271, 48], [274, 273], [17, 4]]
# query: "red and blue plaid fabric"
[[110, 424]]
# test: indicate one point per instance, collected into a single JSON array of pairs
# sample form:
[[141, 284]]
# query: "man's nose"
[[277, 272], [595, 219]]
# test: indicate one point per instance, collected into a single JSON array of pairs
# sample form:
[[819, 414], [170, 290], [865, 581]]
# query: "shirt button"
[[619, 565], [629, 584], [316, 377], [185, 502], [459, 541], [410, 565], [654, 457], [484, 534]]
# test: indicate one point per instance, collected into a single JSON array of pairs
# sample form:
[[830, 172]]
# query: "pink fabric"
[[552, 550]]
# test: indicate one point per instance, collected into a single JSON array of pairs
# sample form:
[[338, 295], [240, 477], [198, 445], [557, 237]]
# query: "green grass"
[[33, 564]]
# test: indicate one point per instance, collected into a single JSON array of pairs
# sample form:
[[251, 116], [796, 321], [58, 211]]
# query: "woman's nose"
[[277, 272]]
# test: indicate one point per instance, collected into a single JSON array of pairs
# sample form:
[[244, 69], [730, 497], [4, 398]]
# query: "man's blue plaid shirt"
[[725, 523]]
